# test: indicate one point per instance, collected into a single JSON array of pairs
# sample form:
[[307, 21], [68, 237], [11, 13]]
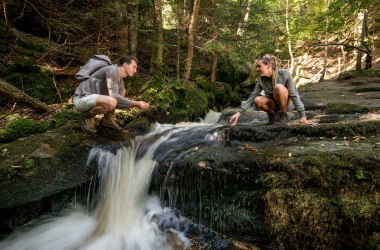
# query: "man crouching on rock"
[[279, 91], [102, 91]]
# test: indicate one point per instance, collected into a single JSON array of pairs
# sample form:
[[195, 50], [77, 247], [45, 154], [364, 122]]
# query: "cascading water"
[[125, 216]]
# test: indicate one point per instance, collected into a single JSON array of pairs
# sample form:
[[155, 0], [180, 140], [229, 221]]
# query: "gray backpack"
[[94, 64]]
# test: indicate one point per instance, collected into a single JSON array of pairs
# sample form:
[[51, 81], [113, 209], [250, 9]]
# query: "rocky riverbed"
[[275, 186]]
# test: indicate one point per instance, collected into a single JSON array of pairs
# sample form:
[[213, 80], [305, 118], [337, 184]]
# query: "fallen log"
[[17, 95]]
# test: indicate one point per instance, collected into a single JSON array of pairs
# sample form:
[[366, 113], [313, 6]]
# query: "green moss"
[[65, 115], [140, 124], [235, 99], [173, 101], [303, 219], [345, 75], [372, 72], [32, 79], [22, 127], [222, 92], [344, 108], [203, 83], [28, 163], [366, 89]]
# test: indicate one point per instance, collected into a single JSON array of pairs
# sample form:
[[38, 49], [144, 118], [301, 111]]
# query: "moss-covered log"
[[17, 95]]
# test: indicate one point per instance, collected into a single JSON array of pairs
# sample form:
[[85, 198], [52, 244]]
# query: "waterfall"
[[124, 216]]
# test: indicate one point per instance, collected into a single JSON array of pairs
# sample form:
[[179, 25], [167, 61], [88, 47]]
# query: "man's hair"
[[127, 59]]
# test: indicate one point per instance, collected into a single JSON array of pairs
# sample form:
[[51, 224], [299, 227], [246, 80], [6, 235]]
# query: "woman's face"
[[263, 70]]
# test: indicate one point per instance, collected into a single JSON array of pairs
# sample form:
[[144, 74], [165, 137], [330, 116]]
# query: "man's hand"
[[143, 105], [235, 118]]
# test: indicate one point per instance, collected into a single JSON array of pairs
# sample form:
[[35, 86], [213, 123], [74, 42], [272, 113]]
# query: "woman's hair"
[[274, 62]]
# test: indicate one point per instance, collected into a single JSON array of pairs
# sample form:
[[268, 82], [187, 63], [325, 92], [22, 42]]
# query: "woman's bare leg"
[[281, 96], [265, 103]]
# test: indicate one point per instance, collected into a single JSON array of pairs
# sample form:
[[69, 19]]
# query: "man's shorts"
[[85, 102]]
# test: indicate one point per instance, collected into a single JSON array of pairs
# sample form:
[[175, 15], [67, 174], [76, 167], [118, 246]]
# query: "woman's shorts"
[[85, 102]]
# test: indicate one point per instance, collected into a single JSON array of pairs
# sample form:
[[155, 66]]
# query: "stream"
[[120, 212]]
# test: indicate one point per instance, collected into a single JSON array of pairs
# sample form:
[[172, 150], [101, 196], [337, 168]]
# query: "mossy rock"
[[139, 124], [344, 108], [172, 101], [203, 83], [222, 92], [235, 100], [65, 114], [19, 128], [346, 75], [372, 72]]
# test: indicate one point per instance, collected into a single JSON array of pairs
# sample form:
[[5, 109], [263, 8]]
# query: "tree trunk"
[[5, 13], [122, 32], [214, 67], [159, 55], [17, 95], [180, 30], [326, 42], [362, 33], [190, 52], [181, 14], [289, 38], [246, 6], [364, 41], [133, 29]]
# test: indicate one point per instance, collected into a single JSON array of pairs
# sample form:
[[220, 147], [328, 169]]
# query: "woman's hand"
[[304, 120], [235, 118]]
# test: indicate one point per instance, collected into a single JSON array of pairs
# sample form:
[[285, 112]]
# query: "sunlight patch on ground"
[[370, 117]]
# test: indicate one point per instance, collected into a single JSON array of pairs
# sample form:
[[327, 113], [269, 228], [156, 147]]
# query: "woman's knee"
[[258, 101], [279, 88]]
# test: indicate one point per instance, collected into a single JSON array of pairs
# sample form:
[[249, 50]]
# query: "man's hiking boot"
[[271, 118], [86, 124], [282, 117], [108, 122]]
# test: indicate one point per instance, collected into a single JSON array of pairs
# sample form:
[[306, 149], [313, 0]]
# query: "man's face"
[[130, 69], [262, 69]]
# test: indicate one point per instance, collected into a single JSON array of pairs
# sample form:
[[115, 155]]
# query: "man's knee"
[[111, 105], [108, 103]]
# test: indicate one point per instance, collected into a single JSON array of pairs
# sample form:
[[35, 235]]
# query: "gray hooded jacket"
[[104, 81], [264, 84]]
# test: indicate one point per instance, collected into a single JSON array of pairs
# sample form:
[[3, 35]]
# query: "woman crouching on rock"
[[273, 93]]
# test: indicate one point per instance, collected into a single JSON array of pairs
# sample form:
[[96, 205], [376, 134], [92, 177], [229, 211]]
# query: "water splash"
[[125, 216]]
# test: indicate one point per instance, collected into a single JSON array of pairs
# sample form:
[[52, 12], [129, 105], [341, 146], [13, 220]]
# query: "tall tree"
[[326, 42], [159, 48], [287, 17], [246, 7], [180, 28], [190, 52], [362, 29], [133, 28], [122, 32], [181, 14]]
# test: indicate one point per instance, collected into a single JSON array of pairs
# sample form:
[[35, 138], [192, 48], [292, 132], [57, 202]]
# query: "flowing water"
[[124, 216]]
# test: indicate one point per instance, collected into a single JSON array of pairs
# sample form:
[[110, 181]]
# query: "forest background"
[[193, 55]]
